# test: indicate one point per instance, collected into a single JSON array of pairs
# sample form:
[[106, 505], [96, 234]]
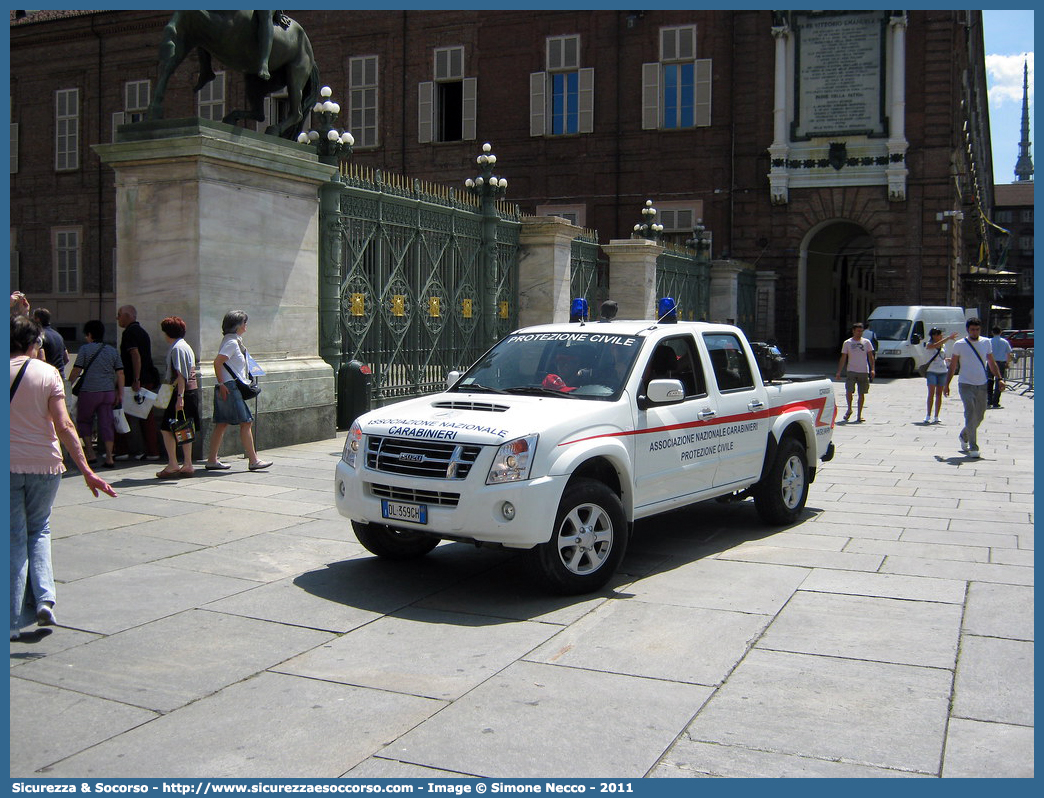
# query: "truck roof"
[[627, 327]]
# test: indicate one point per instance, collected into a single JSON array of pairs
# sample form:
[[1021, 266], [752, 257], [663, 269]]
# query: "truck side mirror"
[[662, 392], [451, 379], [915, 339]]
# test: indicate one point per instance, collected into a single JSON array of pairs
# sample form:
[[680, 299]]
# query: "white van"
[[902, 329]]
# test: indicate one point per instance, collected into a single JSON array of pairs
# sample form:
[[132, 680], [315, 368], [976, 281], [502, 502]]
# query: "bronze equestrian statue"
[[255, 43]]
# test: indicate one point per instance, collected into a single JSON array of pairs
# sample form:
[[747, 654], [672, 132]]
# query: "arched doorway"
[[836, 276]]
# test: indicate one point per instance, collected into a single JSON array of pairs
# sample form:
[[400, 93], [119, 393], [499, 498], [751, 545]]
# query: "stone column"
[[632, 276], [211, 218], [544, 271], [897, 143], [779, 150], [724, 290]]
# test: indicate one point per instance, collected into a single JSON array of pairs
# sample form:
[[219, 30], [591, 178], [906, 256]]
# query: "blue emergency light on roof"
[[667, 310], [578, 310]]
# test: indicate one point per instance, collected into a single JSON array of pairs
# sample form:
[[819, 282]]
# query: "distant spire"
[[1024, 166]]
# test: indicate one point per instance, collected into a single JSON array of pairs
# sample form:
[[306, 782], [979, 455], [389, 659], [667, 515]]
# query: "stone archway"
[[836, 276]]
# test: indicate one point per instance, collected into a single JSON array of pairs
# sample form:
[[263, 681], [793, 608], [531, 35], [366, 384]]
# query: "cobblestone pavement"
[[231, 626]]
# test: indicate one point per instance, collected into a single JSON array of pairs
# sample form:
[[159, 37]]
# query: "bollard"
[[354, 392]]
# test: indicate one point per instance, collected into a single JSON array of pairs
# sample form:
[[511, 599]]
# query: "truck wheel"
[[588, 541], [908, 368], [780, 495], [394, 544]]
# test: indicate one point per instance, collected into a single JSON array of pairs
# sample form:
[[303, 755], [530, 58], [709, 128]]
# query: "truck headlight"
[[513, 461], [352, 445]]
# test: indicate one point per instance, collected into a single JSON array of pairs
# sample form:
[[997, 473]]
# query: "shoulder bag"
[[248, 390], [18, 378], [75, 390], [923, 368], [977, 355]]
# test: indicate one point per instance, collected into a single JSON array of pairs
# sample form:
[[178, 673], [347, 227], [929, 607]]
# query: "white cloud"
[[1004, 78]]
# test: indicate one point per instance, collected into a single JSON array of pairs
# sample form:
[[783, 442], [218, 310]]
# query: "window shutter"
[[703, 93], [537, 103], [668, 44], [586, 99], [425, 111], [686, 43], [554, 54], [650, 96], [470, 112], [117, 120]]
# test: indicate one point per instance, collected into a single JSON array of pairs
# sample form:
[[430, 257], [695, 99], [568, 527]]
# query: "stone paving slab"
[[914, 588], [999, 611], [213, 526], [271, 725], [994, 750], [870, 628], [418, 652], [690, 759], [809, 705], [86, 721], [118, 600], [683, 644], [995, 680], [534, 720], [166, 664], [94, 553]]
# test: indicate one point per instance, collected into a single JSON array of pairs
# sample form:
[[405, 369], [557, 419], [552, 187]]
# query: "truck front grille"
[[434, 459], [440, 498]]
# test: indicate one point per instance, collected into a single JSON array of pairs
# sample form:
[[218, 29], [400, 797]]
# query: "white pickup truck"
[[561, 436]]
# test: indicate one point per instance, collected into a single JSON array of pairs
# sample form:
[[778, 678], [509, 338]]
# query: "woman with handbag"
[[233, 383], [936, 371], [38, 421], [100, 391], [180, 421]]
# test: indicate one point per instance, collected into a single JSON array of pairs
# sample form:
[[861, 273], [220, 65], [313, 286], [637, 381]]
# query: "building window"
[[1025, 244], [362, 100], [210, 101], [1026, 215], [66, 243], [574, 214], [679, 219], [561, 99], [676, 90], [1003, 217], [66, 129], [277, 110], [135, 100], [14, 147], [446, 106]]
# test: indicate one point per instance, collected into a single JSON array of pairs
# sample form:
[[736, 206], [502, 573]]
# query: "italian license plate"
[[401, 511]]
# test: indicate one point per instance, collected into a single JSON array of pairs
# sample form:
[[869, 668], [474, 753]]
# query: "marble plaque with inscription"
[[839, 74]]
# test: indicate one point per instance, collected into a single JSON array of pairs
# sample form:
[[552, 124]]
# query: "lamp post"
[[698, 242], [488, 187], [648, 228], [332, 144]]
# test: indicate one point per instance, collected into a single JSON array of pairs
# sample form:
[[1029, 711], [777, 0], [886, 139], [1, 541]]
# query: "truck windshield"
[[590, 365], [891, 329]]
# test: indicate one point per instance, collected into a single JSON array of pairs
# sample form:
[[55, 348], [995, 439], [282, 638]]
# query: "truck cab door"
[[672, 463], [742, 430]]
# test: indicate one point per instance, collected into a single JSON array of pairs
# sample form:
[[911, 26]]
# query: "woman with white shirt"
[[230, 366]]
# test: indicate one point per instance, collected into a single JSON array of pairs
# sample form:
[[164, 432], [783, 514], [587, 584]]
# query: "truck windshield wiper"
[[539, 389], [474, 386]]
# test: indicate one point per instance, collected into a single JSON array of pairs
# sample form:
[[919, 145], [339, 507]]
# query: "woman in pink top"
[[39, 419]]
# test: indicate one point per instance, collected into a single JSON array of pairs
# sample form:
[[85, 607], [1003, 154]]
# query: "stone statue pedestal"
[[212, 218]]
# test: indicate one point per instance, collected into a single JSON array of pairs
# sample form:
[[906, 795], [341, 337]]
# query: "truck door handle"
[[705, 414], [756, 404]]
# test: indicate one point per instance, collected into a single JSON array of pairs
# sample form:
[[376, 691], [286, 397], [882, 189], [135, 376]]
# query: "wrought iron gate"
[[685, 276], [415, 280]]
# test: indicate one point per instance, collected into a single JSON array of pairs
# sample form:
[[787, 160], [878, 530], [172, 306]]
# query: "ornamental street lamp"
[[698, 242], [487, 186], [648, 228], [332, 144]]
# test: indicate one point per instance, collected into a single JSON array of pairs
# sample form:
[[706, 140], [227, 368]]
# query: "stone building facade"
[[842, 154]]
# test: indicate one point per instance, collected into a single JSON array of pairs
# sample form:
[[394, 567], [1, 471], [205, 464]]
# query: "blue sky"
[[1008, 37]]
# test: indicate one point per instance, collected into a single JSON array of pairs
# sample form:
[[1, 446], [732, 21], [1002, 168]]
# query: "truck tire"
[[780, 495], [394, 544], [588, 540]]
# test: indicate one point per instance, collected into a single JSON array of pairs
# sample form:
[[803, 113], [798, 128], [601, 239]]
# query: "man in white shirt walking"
[[858, 354], [974, 356]]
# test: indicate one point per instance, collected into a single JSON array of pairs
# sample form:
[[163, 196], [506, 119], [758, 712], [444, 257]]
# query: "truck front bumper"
[[517, 514]]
